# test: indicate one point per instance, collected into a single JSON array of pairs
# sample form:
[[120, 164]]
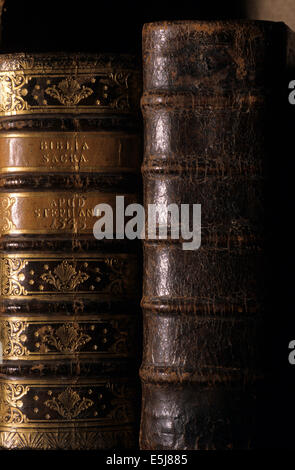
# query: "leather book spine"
[[69, 140], [208, 102]]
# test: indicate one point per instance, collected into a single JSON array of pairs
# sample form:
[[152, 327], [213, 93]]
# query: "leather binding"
[[210, 91], [69, 140]]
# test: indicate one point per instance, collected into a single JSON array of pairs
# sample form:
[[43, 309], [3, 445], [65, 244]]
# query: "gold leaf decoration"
[[69, 92], [64, 277], [67, 338], [121, 410], [76, 439], [12, 337], [120, 80], [6, 223], [12, 277], [12, 92], [68, 404], [116, 276], [34, 84], [10, 402]]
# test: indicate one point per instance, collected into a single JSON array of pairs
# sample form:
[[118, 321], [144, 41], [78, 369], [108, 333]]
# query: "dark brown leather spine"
[[209, 89]]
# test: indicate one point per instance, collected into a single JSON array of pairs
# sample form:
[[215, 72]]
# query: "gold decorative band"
[[50, 338], [31, 84], [27, 275], [69, 151], [79, 438], [52, 212], [51, 402]]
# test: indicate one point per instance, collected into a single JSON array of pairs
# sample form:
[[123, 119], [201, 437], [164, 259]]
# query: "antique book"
[[69, 140], [211, 101]]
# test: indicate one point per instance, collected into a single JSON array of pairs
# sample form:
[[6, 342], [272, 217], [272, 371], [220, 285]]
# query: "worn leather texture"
[[209, 103]]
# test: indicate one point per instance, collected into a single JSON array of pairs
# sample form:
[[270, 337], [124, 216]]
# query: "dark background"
[[39, 26], [97, 26]]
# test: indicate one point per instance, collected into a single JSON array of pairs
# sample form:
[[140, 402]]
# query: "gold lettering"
[[61, 202], [81, 202], [90, 212], [43, 145], [60, 145], [57, 159]]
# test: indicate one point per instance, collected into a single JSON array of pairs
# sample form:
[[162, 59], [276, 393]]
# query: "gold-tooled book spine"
[[69, 140]]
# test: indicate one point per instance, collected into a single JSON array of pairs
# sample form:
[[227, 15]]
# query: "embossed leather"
[[210, 91]]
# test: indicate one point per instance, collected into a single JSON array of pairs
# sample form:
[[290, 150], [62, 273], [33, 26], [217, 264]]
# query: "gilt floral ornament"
[[67, 338], [69, 92], [64, 277], [68, 404]]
